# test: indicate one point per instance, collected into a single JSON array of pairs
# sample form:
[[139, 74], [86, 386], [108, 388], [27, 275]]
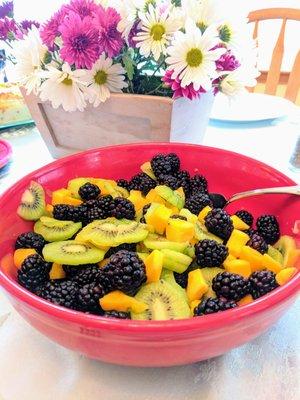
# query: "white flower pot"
[[124, 118]]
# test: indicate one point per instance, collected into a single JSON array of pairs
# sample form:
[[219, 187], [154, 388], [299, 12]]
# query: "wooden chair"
[[274, 76]]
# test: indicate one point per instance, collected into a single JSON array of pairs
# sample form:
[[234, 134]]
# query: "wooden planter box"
[[124, 118]]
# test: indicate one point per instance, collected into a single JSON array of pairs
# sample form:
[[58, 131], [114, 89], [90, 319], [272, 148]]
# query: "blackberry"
[[170, 181], [117, 314], [262, 282], [181, 279], [245, 216], [30, 240], [197, 202], [125, 271], [211, 306], [219, 223], [183, 178], [142, 182], [258, 243], [179, 217], [123, 208], [209, 253], [88, 298], [251, 232], [268, 227], [34, 272], [89, 191], [82, 274], [163, 164], [97, 209], [66, 212], [218, 200], [145, 209], [62, 293], [231, 286], [198, 183], [123, 246], [124, 184]]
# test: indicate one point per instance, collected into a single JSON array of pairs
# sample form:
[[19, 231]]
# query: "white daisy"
[[235, 82], [235, 33], [128, 10], [29, 54], [157, 31], [104, 78], [192, 57], [64, 88], [203, 12]]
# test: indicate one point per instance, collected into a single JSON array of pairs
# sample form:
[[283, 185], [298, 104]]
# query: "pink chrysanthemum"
[[26, 25], [80, 41], [85, 8], [110, 39], [227, 62], [50, 30], [8, 29], [179, 91]]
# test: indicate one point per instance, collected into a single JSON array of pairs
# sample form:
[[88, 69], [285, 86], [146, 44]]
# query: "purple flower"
[[227, 62], [80, 41], [27, 24], [133, 32], [8, 29], [50, 30], [179, 91], [7, 9], [85, 8], [110, 39]]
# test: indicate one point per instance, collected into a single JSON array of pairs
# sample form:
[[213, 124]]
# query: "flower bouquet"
[[178, 51]]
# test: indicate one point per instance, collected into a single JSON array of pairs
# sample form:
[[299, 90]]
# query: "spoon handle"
[[276, 190]]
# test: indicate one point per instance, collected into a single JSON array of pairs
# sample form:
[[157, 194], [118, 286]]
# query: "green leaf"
[[128, 65]]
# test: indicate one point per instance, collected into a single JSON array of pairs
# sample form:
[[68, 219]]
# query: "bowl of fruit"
[[123, 254]]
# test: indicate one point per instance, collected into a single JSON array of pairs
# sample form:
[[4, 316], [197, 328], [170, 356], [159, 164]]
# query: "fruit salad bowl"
[[151, 343]]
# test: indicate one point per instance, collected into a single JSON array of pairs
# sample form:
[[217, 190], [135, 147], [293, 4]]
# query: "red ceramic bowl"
[[141, 343]]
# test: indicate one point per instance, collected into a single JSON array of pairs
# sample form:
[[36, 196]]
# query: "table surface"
[[268, 368]]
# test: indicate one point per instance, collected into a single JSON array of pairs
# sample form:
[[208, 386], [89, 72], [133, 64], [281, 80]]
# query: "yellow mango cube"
[[57, 271], [241, 267], [253, 256], [238, 223], [119, 301], [158, 218], [21, 254], [138, 200], [179, 231], [197, 286], [64, 196], [246, 300], [271, 264], [285, 275], [154, 266], [153, 197], [229, 258], [237, 240], [203, 213]]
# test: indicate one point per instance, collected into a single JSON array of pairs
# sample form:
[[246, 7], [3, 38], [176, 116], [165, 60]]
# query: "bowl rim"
[[207, 322]]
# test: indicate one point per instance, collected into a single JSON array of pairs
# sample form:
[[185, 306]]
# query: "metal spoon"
[[220, 201]]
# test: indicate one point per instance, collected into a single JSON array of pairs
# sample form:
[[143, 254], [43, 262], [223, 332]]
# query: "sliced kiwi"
[[146, 168], [176, 261], [190, 251], [201, 233], [143, 256], [208, 275], [171, 196], [275, 254], [33, 204], [112, 232], [157, 242], [71, 252], [184, 212], [168, 276], [287, 247], [53, 230], [163, 303]]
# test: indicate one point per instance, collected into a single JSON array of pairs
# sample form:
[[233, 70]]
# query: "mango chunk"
[[271, 264], [197, 286], [238, 223], [237, 240], [179, 231], [253, 256], [154, 197], [285, 275], [138, 200], [241, 267], [119, 301], [229, 258], [154, 266], [57, 271], [158, 216], [246, 300], [21, 254], [64, 196], [203, 213]]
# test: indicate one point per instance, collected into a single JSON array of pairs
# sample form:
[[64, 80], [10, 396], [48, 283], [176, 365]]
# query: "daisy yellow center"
[[157, 31], [101, 77], [194, 57], [67, 81]]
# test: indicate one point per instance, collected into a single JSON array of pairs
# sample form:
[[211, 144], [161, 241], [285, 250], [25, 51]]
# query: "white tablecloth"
[[34, 368]]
